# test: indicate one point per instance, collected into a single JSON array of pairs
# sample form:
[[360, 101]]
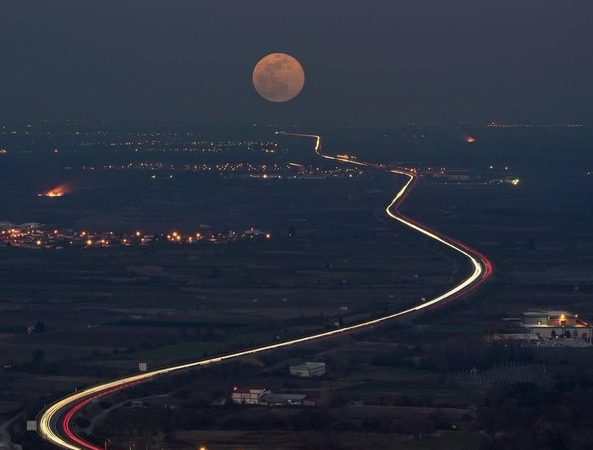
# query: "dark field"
[[104, 310], [433, 381]]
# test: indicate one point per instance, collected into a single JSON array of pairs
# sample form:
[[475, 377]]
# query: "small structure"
[[249, 396], [308, 370]]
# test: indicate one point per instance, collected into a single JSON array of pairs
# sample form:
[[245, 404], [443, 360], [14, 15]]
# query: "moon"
[[278, 77]]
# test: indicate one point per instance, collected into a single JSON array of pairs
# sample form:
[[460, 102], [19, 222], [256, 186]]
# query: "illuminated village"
[[33, 235]]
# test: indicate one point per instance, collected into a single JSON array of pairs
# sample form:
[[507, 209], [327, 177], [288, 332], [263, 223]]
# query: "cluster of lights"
[[535, 125], [178, 237], [32, 237], [261, 171], [179, 143]]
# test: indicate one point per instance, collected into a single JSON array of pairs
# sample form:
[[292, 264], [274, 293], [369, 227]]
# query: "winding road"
[[56, 421]]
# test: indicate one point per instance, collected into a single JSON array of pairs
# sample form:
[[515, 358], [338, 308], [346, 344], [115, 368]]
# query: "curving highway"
[[56, 421]]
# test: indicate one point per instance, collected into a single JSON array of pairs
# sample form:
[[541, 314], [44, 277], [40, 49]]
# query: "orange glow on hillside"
[[58, 191]]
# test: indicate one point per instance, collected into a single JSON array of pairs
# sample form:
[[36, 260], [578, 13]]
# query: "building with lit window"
[[557, 325]]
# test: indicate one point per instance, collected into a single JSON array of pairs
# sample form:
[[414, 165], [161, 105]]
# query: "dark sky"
[[372, 61]]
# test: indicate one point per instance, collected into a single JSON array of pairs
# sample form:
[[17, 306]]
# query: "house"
[[265, 397], [556, 324], [248, 396]]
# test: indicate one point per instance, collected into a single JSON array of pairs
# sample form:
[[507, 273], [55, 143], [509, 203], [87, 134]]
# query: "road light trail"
[[55, 422]]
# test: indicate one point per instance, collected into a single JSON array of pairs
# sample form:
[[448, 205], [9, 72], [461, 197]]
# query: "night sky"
[[376, 61]]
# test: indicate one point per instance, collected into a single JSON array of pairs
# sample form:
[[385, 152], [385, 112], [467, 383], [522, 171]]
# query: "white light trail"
[[57, 430]]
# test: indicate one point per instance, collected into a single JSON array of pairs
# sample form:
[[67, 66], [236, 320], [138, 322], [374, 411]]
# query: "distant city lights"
[[33, 235], [242, 170]]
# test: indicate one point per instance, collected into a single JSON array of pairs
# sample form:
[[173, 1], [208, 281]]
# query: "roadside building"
[[556, 324], [308, 370]]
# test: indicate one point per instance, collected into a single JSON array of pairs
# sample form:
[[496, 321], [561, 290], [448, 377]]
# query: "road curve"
[[55, 421]]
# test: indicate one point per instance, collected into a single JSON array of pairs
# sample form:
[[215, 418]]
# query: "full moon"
[[278, 77]]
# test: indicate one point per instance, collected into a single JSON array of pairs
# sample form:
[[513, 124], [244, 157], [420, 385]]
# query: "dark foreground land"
[[436, 381]]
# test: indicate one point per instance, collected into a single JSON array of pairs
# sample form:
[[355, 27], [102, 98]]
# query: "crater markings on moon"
[[278, 77]]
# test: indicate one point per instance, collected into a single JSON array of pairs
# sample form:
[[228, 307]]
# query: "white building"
[[308, 370], [557, 325]]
